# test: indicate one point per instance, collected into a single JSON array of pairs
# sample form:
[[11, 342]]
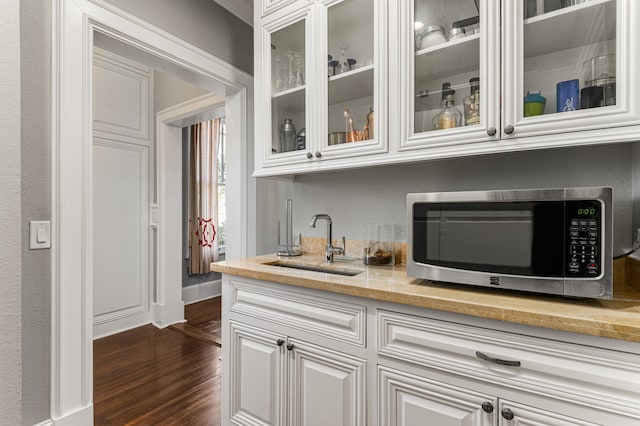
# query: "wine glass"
[[299, 70], [344, 64], [277, 83], [291, 77]]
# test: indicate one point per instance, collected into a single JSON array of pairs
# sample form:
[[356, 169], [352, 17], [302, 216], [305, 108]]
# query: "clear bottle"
[[450, 116], [287, 136], [472, 103], [445, 88]]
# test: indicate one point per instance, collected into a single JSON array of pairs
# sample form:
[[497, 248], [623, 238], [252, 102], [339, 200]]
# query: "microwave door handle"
[[498, 361]]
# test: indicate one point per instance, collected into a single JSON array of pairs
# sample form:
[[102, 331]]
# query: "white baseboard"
[[165, 315], [47, 422], [102, 328], [81, 417], [203, 291]]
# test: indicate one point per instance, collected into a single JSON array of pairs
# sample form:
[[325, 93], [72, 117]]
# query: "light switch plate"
[[39, 234]]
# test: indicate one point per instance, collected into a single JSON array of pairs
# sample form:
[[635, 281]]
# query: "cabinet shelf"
[[351, 85], [290, 99], [570, 27], [451, 57]]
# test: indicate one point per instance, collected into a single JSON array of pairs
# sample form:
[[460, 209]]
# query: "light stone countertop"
[[612, 319]]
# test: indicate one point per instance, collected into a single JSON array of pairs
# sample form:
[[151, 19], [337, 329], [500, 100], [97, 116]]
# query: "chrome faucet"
[[330, 250]]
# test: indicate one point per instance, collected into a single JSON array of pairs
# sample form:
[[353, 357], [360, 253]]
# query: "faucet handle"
[[344, 245]]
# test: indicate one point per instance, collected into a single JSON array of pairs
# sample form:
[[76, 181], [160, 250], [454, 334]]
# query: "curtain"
[[203, 195]]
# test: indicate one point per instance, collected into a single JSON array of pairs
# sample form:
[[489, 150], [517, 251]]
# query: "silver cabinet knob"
[[508, 129], [318, 154], [309, 155], [491, 131]]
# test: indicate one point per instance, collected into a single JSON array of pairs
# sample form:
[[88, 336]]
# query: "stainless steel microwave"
[[554, 241]]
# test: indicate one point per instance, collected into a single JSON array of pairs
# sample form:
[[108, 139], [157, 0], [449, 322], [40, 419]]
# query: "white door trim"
[[168, 308], [73, 26]]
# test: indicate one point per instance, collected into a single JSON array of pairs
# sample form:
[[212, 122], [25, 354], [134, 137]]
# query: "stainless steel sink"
[[335, 271]]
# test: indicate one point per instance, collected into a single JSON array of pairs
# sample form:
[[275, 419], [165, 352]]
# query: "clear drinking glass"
[[379, 244]]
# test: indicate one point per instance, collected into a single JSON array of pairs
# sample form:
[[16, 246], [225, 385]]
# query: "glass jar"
[[433, 36], [450, 116], [472, 103]]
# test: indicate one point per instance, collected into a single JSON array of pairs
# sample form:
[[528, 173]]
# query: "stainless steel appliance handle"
[[498, 361]]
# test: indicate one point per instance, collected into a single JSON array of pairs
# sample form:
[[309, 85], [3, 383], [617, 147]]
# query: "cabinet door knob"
[[507, 414], [309, 155], [508, 129], [491, 131], [487, 407], [280, 342], [290, 346], [318, 154]]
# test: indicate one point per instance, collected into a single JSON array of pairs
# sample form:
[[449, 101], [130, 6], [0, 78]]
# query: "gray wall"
[[10, 216], [25, 176], [36, 205], [378, 194], [202, 23]]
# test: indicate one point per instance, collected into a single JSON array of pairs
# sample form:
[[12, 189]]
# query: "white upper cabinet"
[[548, 73], [449, 73], [582, 58], [321, 76], [376, 82]]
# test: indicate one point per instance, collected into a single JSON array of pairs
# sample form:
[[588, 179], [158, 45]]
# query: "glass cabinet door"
[[352, 70], [452, 91], [285, 86], [563, 65]]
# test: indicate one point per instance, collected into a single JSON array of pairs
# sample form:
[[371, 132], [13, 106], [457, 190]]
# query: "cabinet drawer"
[[322, 316], [584, 375]]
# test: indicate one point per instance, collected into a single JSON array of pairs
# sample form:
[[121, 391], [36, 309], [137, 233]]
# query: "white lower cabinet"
[[326, 387], [278, 380], [257, 382], [512, 413], [301, 357], [409, 400]]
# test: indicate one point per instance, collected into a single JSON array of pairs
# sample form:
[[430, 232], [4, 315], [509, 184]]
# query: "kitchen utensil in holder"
[[378, 244], [289, 248]]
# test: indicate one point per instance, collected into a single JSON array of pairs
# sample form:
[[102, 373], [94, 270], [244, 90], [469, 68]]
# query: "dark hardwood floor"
[[150, 376], [203, 321]]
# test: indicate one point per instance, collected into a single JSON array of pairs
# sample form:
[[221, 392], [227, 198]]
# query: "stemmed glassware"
[[344, 64], [299, 69], [278, 84], [291, 77]]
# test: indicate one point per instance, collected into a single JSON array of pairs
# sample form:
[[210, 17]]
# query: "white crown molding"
[[243, 9]]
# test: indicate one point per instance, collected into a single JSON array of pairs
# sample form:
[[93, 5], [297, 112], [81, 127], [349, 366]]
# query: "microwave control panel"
[[584, 240]]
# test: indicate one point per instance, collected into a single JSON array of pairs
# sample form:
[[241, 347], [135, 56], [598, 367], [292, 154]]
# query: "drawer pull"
[[498, 361], [290, 346], [280, 342]]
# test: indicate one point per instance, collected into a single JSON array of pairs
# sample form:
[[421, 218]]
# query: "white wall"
[[378, 194], [10, 216]]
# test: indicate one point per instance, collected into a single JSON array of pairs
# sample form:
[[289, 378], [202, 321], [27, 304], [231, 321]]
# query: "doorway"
[[76, 25]]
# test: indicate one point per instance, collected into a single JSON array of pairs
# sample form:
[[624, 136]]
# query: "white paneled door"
[[121, 287]]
